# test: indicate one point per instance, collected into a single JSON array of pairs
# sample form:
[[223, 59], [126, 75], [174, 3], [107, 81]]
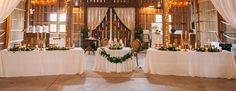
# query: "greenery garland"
[[168, 48], [116, 60], [15, 49], [56, 48]]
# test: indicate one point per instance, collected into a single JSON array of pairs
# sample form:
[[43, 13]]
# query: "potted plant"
[[83, 34], [138, 33]]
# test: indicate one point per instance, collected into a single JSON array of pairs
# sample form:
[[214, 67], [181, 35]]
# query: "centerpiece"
[[207, 49], [52, 48], [115, 46], [16, 48], [168, 48]]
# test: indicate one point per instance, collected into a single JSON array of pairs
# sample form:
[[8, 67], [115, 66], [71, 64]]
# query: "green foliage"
[[56, 48], [15, 49], [84, 32], [200, 49], [138, 33], [116, 60], [168, 48], [211, 49]]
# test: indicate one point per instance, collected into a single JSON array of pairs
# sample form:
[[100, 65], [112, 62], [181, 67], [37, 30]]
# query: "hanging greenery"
[[116, 60]]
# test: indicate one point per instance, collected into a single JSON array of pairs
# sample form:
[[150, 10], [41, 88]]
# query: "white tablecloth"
[[212, 65], [40, 63], [103, 65]]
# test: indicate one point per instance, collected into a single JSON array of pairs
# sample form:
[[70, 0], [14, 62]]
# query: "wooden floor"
[[136, 81]]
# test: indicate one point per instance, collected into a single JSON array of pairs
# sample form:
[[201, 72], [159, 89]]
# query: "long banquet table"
[[40, 63], [191, 63], [103, 65]]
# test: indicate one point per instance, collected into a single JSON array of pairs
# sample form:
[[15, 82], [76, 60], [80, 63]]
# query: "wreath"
[[116, 60]]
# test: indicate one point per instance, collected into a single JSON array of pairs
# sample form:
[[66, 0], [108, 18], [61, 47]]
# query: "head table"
[[191, 63], [103, 65], [40, 63]]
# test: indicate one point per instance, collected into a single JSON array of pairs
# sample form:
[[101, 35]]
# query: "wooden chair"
[[136, 47], [104, 42]]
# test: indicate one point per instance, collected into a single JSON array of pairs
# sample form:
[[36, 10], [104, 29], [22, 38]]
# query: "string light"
[[43, 2]]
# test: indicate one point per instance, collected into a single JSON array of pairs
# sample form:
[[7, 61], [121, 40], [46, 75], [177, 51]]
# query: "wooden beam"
[[8, 31]]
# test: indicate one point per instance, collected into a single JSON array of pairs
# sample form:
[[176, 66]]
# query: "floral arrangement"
[[201, 49], [168, 48], [21, 48], [213, 49], [115, 46], [116, 60], [209, 49], [56, 48]]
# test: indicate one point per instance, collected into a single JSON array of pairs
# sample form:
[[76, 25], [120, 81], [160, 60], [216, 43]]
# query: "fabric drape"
[[6, 8], [127, 16], [227, 9], [95, 16]]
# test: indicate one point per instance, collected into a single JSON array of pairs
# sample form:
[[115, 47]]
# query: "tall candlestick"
[[45, 36], [37, 35], [189, 38], [102, 34]]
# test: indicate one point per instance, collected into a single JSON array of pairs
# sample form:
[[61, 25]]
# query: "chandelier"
[[43, 2], [179, 3]]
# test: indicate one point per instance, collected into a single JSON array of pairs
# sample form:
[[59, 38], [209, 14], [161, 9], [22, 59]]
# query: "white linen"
[[95, 16], [127, 16], [227, 9], [40, 63], [212, 65], [6, 8], [103, 65]]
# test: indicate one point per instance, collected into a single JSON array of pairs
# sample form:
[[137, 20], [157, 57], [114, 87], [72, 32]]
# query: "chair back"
[[104, 42], [136, 45]]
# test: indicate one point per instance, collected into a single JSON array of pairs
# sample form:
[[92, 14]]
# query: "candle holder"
[[41, 42]]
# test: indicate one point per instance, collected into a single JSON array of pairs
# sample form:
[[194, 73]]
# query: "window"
[[53, 17], [62, 18], [62, 28], [53, 28], [58, 22], [159, 21]]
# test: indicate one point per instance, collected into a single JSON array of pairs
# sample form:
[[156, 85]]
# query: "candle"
[[41, 37], [45, 36], [102, 34], [37, 35], [119, 35], [185, 37], [189, 37]]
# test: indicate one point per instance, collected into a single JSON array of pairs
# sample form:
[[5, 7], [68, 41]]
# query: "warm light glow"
[[43, 2], [179, 3]]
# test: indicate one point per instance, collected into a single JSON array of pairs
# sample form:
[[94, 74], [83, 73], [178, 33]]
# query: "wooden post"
[[8, 31], [69, 24], [27, 15], [166, 35]]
